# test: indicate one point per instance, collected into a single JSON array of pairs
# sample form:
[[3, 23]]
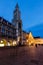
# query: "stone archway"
[[3, 42], [10, 43]]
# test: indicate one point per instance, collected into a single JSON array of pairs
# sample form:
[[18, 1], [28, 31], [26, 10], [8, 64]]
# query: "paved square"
[[25, 55]]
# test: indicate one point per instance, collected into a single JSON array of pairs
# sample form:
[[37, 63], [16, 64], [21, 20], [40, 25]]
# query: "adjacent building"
[[30, 40]]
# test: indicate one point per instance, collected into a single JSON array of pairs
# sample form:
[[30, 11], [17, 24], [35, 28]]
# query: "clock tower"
[[17, 22]]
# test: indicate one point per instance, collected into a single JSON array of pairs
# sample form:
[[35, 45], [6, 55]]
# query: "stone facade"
[[12, 31]]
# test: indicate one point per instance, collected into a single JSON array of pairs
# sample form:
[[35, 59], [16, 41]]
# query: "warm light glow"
[[1, 45], [18, 39], [8, 44], [1, 41], [11, 42], [27, 40], [30, 39], [14, 43]]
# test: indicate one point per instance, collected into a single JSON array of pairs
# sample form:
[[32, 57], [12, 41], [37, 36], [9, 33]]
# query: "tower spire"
[[17, 6], [16, 12]]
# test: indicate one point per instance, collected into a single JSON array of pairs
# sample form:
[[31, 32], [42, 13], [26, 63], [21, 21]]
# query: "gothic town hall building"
[[10, 32]]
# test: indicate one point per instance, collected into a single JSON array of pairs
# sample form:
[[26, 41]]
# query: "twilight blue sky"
[[31, 11]]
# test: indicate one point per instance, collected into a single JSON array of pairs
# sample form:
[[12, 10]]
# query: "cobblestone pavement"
[[25, 55]]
